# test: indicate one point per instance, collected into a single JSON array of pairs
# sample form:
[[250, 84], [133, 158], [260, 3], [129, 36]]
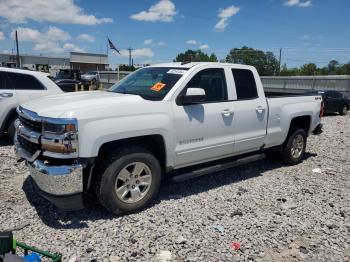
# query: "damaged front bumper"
[[61, 185]]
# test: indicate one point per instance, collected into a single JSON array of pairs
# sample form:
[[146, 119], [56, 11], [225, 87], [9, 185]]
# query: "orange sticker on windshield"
[[158, 86]]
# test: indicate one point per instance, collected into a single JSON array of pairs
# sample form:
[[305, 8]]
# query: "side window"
[[338, 95], [329, 94], [2, 81], [23, 82], [245, 84], [213, 81]]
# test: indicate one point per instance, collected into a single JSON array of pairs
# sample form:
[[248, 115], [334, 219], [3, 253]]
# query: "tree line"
[[265, 62]]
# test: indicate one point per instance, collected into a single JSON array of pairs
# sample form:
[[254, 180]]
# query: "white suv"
[[16, 87]]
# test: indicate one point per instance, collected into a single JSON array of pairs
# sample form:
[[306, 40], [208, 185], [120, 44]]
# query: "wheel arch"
[[153, 143], [303, 122], [10, 115]]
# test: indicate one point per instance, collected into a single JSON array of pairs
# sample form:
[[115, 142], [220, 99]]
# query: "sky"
[[157, 30]]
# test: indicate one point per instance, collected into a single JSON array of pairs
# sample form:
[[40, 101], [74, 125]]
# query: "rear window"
[[245, 84], [23, 82]]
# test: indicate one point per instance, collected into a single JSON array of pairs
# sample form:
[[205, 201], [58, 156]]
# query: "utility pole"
[[279, 62], [130, 49], [17, 55]]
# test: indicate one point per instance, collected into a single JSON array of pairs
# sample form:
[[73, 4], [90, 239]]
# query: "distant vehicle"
[[67, 85], [334, 101], [92, 76], [158, 120], [69, 74], [16, 87]]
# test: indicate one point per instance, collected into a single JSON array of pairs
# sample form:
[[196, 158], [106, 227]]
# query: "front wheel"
[[293, 149], [128, 180], [344, 111], [11, 130]]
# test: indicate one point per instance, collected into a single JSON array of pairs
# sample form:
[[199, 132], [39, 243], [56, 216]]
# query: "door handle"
[[260, 109], [6, 95], [227, 112]]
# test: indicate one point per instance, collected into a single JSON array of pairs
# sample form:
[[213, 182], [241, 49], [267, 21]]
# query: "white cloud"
[[49, 47], [62, 11], [148, 41], [49, 41], [2, 35], [164, 11], [142, 52], [52, 34], [6, 52], [306, 4], [298, 3], [224, 15], [72, 47], [191, 42], [86, 37], [56, 34], [152, 42], [205, 46]]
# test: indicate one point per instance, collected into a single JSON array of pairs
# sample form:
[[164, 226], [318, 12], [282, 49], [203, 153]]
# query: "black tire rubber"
[[11, 129], [344, 110], [94, 84], [286, 155], [106, 174]]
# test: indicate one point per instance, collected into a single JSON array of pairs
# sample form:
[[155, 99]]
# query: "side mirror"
[[193, 96]]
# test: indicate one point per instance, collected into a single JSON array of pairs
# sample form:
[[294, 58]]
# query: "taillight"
[[322, 109]]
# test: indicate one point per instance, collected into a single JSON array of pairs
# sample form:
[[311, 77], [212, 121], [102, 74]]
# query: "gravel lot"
[[276, 213]]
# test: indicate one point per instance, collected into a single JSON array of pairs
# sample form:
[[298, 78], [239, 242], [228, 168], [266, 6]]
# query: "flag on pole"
[[112, 46]]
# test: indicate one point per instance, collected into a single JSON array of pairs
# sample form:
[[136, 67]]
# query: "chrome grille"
[[34, 125], [27, 145]]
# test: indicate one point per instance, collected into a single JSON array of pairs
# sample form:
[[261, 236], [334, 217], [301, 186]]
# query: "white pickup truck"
[[18, 86], [178, 119]]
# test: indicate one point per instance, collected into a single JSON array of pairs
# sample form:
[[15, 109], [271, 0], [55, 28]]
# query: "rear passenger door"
[[250, 111], [27, 86]]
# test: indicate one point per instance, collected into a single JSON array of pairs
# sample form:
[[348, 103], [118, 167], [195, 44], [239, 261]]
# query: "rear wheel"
[[344, 110], [293, 149], [128, 180]]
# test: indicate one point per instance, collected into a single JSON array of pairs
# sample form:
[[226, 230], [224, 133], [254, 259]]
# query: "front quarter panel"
[[120, 123]]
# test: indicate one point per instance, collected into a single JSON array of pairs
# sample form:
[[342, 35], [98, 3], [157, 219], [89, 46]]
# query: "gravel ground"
[[275, 213]]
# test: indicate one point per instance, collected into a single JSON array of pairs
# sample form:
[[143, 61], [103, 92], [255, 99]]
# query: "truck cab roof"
[[189, 65]]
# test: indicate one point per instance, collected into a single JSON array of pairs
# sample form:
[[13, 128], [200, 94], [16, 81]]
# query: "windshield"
[[92, 73], [152, 83]]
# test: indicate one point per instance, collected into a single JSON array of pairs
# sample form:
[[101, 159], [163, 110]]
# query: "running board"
[[217, 167]]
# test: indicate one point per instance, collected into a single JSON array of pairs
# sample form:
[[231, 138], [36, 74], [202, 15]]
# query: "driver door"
[[204, 131]]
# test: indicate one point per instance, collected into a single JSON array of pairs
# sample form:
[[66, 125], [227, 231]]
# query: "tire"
[[94, 83], [344, 110], [11, 129], [293, 149], [116, 175]]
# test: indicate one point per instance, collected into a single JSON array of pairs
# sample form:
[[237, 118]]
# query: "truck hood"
[[69, 105]]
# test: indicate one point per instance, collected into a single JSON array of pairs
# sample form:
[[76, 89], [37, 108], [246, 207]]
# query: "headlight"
[[55, 128], [60, 136]]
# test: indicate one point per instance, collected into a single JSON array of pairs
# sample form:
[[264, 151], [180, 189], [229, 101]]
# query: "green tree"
[[343, 69], [308, 69], [332, 66], [289, 72], [126, 68], [195, 56], [265, 62]]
